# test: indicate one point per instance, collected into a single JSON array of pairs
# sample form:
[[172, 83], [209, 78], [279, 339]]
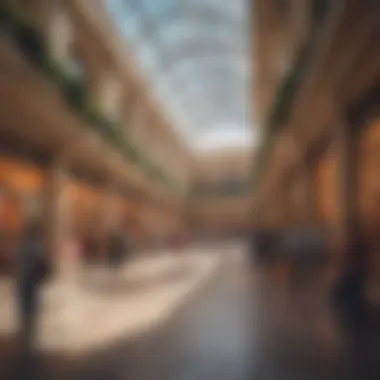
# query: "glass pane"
[[195, 54]]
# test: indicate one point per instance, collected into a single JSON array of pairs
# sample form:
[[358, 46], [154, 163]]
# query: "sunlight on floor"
[[78, 317]]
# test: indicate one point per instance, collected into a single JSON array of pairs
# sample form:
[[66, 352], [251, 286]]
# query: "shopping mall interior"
[[190, 189]]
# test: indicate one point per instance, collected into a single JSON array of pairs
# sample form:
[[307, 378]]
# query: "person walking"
[[33, 271]]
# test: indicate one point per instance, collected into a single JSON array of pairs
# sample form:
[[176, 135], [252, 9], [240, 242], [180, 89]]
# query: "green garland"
[[75, 91]]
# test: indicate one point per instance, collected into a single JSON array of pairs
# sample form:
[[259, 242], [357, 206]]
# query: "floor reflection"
[[245, 323]]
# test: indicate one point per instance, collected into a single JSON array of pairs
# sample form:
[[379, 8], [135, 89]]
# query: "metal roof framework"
[[194, 54]]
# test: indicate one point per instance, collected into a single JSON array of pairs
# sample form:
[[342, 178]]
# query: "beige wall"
[[114, 74], [225, 211], [276, 37], [218, 166]]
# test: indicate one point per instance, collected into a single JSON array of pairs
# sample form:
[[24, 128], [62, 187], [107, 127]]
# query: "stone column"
[[283, 201], [349, 144], [298, 198], [278, 205], [107, 216], [304, 196], [55, 210], [287, 201], [349, 185], [136, 225], [310, 173], [110, 209]]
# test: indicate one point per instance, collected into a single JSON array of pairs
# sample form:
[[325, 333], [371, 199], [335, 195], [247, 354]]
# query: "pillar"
[[278, 205], [109, 208], [286, 197], [108, 216], [138, 223], [298, 197], [349, 180], [348, 146], [55, 210], [311, 180], [305, 195]]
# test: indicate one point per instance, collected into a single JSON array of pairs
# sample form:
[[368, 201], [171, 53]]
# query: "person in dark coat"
[[33, 270]]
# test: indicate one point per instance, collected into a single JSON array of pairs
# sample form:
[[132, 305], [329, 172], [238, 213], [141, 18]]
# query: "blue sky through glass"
[[195, 53]]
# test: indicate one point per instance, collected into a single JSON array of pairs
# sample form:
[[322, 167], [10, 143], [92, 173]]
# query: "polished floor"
[[140, 295], [242, 324]]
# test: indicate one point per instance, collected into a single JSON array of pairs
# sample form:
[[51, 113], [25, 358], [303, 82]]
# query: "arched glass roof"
[[195, 54]]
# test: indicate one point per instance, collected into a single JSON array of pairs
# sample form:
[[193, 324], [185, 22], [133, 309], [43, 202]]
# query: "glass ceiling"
[[195, 53]]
